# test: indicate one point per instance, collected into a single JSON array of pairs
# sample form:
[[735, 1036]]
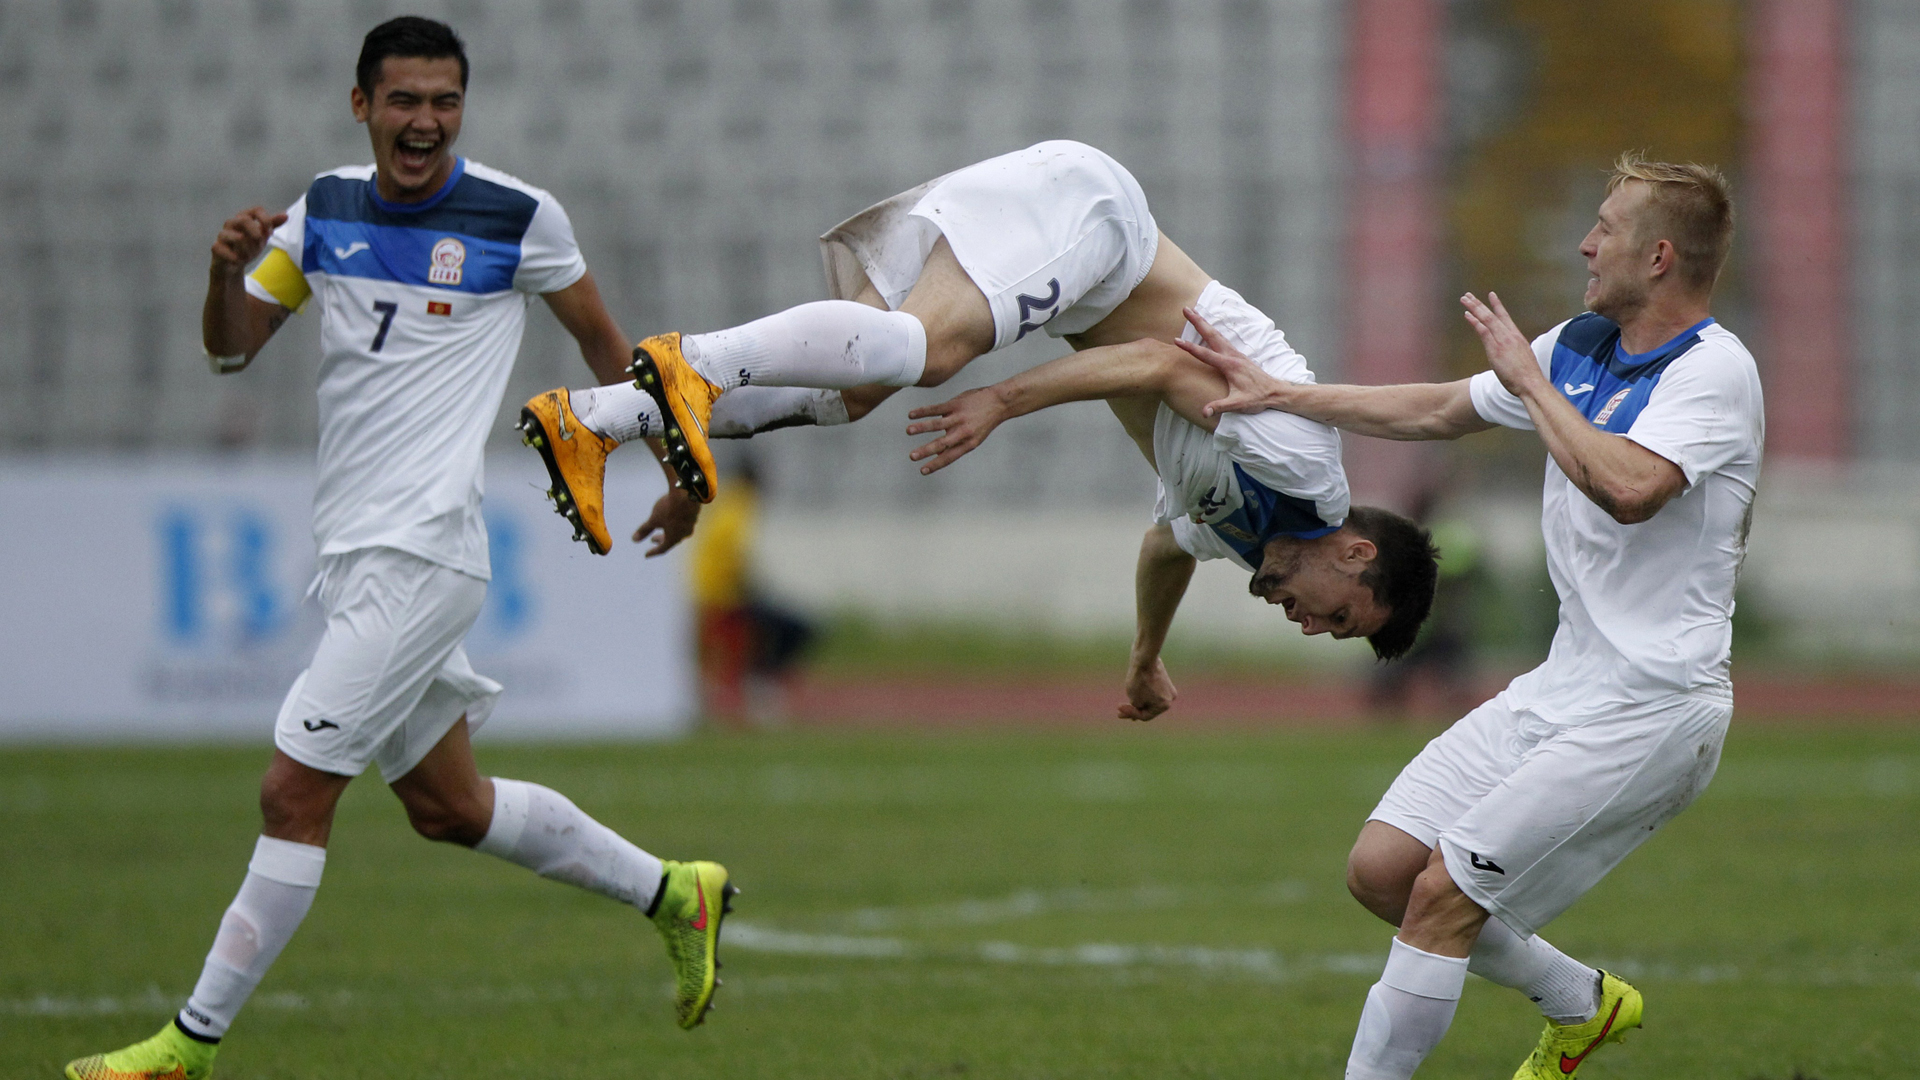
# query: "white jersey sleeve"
[[277, 278], [550, 258], [1704, 414], [1498, 405]]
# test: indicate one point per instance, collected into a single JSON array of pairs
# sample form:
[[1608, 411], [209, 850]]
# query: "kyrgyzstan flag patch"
[[439, 307]]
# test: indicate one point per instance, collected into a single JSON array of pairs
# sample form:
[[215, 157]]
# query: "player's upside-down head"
[[1373, 577]]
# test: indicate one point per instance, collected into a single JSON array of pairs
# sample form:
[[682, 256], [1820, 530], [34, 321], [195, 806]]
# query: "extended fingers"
[[947, 457], [1207, 333]]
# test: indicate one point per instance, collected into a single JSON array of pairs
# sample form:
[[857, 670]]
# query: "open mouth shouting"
[[416, 155]]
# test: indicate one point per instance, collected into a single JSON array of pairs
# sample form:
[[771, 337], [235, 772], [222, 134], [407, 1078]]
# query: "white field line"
[[1267, 965], [1027, 903], [152, 1000]]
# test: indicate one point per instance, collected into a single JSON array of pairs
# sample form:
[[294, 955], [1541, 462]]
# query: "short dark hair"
[[1402, 577], [408, 35]]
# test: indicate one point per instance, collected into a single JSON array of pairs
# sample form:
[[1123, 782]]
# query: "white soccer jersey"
[[422, 306], [1645, 610], [1255, 476]]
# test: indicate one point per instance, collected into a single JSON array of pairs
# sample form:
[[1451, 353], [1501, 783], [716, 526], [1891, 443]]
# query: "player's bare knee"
[[447, 822], [862, 400], [1439, 905], [1384, 894], [944, 361], [296, 802]]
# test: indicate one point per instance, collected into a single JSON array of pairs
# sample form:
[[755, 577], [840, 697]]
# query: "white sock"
[[542, 830], [1406, 1013], [622, 412], [1567, 991], [281, 882], [828, 344], [751, 410]]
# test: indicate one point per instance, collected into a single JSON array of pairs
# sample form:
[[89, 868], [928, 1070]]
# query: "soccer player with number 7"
[[423, 264]]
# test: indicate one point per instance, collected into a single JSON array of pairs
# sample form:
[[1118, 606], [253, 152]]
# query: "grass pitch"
[[1139, 903]]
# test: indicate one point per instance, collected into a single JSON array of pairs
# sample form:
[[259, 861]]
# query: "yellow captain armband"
[[282, 279]]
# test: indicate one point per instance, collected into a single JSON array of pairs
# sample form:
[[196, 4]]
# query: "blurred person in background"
[[1652, 418], [749, 644], [424, 264]]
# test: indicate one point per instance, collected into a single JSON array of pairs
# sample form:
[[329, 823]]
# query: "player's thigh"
[[1136, 416], [954, 312], [393, 620], [1579, 803], [458, 701], [1454, 771]]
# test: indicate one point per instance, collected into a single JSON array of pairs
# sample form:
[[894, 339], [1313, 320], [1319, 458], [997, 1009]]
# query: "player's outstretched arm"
[[233, 325], [1160, 580], [1409, 412], [1135, 369], [1627, 480]]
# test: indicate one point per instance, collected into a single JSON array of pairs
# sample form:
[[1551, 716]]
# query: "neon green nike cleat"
[[694, 897], [170, 1055], [1564, 1047]]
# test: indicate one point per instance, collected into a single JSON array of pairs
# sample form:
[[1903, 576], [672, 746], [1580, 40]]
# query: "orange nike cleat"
[[576, 460], [686, 400]]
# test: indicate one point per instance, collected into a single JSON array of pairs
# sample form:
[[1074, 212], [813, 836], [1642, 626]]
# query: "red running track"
[[1243, 703]]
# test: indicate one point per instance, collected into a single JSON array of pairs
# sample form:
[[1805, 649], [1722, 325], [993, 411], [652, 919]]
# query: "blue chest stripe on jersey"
[[402, 255], [466, 206], [1264, 514], [1589, 369]]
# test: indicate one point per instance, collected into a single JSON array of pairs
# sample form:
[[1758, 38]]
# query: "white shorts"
[[390, 677], [1286, 453], [1532, 814], [1056, 236]]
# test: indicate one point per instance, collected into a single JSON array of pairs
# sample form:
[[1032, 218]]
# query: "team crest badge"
[[1606, 411], [449, 255]]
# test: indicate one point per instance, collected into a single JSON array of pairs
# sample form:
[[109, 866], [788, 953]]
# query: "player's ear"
[[1359, 553], [362, 108]]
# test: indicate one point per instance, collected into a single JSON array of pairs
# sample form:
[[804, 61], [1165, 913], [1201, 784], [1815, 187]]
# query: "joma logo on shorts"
[[1484, 864], [319, 724]]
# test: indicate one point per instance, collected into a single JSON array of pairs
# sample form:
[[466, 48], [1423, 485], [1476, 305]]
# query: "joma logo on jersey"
[[1606, 411], [449, 255]]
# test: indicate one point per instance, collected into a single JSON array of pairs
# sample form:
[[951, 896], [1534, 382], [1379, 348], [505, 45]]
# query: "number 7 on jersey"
[[386, 308]]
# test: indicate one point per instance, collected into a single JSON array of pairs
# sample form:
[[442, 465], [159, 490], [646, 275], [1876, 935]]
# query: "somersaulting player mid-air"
[[1057, 236]]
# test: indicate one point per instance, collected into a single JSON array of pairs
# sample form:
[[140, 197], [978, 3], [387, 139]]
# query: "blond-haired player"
[[1651, 416]]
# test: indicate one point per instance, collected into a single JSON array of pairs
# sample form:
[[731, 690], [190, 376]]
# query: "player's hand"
[[243, 238], [1249, 388], [1150, 691], [1509, 353], [674, 515], [966, 421]]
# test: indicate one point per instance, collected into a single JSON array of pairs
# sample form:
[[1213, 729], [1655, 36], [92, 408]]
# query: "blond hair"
[[1692, 209]]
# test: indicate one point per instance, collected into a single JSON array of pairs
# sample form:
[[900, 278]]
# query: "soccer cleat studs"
[[576, 465]]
